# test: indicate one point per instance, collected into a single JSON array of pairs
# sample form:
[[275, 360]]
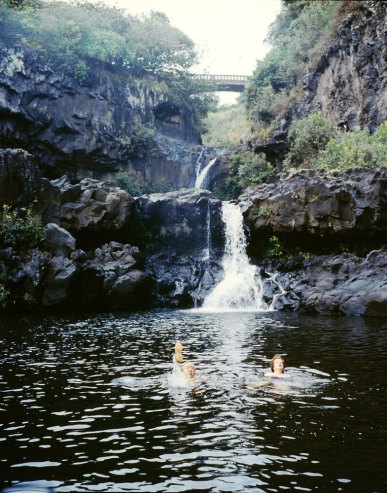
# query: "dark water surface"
[[85, 404]]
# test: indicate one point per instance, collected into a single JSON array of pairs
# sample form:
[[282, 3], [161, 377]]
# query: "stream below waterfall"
[[87, 403]]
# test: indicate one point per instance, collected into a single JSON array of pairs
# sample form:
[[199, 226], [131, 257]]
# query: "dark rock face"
[[19, 177], [350, 83], [184, 229], [183, 281], [183, 222], [112, 277], [310, 209], [340, 284], [90, 210], [84, 130]]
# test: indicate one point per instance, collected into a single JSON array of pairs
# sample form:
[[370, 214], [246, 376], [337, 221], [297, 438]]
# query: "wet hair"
[[189, 363], [276, 356]]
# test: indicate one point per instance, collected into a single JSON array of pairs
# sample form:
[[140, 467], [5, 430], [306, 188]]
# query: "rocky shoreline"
[[103, 249]]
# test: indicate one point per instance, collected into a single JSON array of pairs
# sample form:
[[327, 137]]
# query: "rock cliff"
[[348, 83], [303, 229], [312, 210], [96, 127]]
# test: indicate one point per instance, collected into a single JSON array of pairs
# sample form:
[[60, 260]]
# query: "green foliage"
[[142, 140], [80, 71], [4, 297], [317, 143], [308, 137], [264, 212], [248, 168], [63, 31], [123, 181], [353, 150], [19, 228], [22, 4], [226, 126], [299, 36], [275, 248]]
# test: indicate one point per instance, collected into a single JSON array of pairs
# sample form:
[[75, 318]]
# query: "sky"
[[229, 35]]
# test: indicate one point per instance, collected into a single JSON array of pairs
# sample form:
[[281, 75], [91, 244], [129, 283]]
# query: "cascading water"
[[202, 174], [241, 286]]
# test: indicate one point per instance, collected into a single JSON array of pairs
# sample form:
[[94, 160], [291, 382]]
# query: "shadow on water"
[[87, 403]]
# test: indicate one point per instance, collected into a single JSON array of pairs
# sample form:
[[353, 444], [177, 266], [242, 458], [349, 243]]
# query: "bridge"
[[232, 83]]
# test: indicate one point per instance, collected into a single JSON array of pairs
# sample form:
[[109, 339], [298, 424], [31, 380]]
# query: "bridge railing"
[[222, 78]]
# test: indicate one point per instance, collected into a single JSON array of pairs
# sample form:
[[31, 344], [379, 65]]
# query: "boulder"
[[57, 240], [92, 211], [60, 276], [125, 284]]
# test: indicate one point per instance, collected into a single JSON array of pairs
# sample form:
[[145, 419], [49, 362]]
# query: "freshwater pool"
[[86, 404]]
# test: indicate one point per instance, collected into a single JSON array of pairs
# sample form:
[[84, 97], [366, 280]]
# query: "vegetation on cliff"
[[20, 228], [275, 102], [80, 35], [299, 35]]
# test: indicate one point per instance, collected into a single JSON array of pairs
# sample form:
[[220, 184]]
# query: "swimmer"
[[277, 367], [189, 371]]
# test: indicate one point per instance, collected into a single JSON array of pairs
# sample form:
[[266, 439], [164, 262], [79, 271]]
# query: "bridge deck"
[[233, 83]]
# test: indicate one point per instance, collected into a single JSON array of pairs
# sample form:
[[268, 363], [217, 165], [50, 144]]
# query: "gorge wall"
[[95, 127], [347, 83]]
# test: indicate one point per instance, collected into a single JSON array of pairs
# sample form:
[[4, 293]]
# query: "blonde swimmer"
[[189, 371]]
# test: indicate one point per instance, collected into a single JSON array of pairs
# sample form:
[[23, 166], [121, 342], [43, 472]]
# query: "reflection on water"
[[87, 404]]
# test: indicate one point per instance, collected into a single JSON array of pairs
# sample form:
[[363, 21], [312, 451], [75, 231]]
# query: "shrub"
[[248, 168], [142, 140], [80, 71], [123, 181], [19, 228], [274, 248], [308, 137], [353, 150]]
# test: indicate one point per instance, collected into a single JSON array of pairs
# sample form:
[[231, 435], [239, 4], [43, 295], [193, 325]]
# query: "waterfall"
[[206, 253], [201, 174], [198, 166], [241, 286]]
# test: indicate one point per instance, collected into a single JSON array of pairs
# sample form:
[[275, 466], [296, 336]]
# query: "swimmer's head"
[[189, 370], [277, 364]]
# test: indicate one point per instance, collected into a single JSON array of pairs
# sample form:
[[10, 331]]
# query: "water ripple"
[[87, 404]]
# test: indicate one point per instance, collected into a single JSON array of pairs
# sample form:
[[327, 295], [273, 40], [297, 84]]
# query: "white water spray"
[[241, 287], [201, 175]]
